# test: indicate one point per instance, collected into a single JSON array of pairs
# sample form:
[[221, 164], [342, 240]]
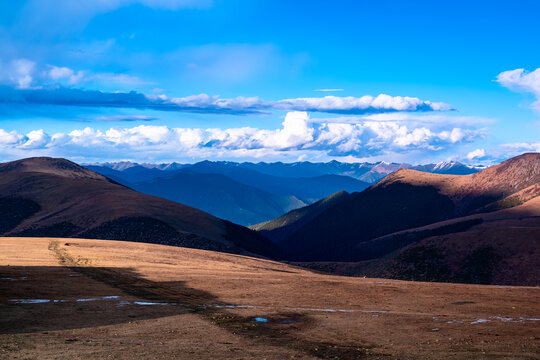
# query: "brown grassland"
[[127, 300]]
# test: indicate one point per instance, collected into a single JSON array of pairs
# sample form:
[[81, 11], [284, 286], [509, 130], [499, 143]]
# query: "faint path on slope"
[[283, 333]]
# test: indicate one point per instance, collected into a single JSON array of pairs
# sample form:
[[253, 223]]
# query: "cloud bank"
[[24, 82], [298, 135], [203, 103]]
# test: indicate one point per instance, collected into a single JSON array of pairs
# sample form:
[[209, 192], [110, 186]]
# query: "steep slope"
[[220, 196], [55, 197], [281, 228], [471, 193], [500, 247], [405, 199]]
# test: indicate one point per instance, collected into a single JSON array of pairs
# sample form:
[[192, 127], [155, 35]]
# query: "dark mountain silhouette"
[[58, 198], [500, 247], [357, 227]]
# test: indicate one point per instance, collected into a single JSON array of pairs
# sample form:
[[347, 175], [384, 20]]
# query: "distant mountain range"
[[484, 242], [415, 225], [250, 193], [367, 172], [57, 198]]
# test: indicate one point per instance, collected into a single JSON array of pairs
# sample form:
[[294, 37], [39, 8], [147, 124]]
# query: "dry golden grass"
[[310, 315]]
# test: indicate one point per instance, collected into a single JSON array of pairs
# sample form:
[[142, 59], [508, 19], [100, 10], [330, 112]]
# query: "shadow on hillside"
[[57, 298]]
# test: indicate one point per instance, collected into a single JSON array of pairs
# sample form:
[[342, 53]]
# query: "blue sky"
[[186, 80]]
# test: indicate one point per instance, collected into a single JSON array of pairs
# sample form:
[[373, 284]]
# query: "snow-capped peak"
[[445, 165]]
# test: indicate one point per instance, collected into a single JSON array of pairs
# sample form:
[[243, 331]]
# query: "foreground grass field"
[[94, 299]]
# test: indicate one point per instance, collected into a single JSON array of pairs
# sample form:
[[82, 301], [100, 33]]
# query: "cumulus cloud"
[[36, 139], [298, 136], [11, 138], [476, 154], [362, 105], [522, 80], [56, 73], [295, 132]]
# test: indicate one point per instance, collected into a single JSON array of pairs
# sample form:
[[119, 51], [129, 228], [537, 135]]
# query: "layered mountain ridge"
[[482, 227], [249, 193], [58, 198], [357, 227]]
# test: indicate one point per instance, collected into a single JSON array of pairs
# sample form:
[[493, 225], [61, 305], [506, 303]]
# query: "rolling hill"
[[353, 227], [100, 299], [55, 197]]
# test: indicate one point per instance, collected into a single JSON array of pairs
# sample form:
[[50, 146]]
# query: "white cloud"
[[36, 139], [297, 137], [26, 74], [329, 104], [522, 80], [367, 103], [295, 132], [52, 86], [56, 73], [475, 154], [522, 147], [10, 138], [18, 73], [497, 153]]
